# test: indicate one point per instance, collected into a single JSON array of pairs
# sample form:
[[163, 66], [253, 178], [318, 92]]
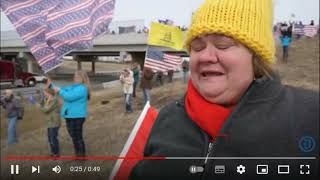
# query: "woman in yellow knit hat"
[[235, 107]]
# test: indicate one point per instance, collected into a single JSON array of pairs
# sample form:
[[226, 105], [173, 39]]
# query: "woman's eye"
[[197, 47], [223, 47]]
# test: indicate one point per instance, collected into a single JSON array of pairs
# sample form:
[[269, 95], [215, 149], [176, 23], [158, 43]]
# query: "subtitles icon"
[[262, 169], [35, 169], [219, 169], [56, 169], [283, 169], [241, 169]]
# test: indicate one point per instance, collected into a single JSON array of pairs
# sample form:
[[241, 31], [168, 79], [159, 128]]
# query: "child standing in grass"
[[50, 107]]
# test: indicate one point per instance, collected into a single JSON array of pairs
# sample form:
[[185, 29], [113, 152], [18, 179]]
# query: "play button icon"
[[35, 169]]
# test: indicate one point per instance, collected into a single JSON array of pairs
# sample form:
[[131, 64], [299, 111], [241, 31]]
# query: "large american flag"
[[53, 28], [310, 30], [159, 61], [306, 30]]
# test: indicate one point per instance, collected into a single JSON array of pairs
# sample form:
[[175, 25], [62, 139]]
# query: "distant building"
[[130, 26]]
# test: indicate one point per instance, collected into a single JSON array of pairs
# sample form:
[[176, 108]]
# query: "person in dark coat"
[[236, 113], [170, 75], [146, 83], [185, 70], [12, 107], [159, 78]]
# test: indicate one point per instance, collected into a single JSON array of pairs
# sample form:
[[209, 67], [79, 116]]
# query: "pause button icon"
[[14, 169]]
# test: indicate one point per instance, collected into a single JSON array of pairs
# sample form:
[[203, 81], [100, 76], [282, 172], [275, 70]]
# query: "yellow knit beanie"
[[247, 21]]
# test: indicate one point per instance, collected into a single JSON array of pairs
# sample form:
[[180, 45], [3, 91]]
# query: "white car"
[[39, 78]]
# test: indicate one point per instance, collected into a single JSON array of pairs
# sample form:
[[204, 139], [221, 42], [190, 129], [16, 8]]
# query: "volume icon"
[[56, 169]]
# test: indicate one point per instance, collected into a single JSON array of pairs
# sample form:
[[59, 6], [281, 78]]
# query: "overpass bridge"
[[134, 44]]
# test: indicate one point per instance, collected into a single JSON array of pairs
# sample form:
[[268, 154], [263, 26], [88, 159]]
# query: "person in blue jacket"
[[74, 110], [285, 41]]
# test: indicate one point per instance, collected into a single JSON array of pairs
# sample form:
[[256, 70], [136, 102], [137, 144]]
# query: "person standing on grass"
[[12, 107], [185, 69], [170, 75], [159, 78], [75, 107], [136, 73], [50, 107], [146, 83], [126, 79], [285, 41]]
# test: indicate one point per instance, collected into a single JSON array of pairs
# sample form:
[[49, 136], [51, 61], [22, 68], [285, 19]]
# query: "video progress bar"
[[149, 158], [244, 158]]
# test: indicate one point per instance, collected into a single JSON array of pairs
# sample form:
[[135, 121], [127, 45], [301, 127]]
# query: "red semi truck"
[[11, 72]]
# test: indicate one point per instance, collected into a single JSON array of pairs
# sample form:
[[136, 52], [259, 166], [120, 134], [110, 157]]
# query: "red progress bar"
[[80, 158]]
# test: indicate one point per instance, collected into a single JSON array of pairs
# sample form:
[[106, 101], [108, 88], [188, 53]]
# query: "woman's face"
[[77, 78], [221, 68], [8, 94], [126, 73]]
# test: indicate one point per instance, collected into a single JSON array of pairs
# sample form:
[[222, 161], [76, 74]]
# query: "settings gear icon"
[[241, 169]]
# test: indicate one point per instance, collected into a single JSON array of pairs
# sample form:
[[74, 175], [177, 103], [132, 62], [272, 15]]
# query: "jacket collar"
[[261, 89]]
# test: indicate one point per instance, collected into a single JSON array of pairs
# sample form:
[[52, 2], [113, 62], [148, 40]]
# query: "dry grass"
[[107, 127], [302, 69]]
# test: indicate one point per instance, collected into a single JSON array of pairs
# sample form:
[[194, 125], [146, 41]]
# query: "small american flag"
[[159, 61], [53, 28]]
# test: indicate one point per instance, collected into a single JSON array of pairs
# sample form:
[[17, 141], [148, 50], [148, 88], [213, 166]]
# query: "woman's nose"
[[209, 55]]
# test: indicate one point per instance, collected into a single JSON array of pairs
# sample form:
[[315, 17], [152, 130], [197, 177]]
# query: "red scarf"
[[208, 116]]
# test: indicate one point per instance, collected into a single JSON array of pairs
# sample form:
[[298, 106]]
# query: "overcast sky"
[[180, 11]]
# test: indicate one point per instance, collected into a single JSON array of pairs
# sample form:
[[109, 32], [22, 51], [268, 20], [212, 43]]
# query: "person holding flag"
[[75, 108], [50, 107], [235, 105]]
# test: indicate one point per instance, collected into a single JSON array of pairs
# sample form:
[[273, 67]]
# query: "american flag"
[[159, 61], [310, 30], [53, 28], [298, 29]]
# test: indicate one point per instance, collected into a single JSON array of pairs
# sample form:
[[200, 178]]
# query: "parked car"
[[39, 78], [11, 72]]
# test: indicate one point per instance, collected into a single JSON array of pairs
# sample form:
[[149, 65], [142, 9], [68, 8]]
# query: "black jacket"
[[271, 120]]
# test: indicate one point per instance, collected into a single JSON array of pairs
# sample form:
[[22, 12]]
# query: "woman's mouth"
[[211, 74]]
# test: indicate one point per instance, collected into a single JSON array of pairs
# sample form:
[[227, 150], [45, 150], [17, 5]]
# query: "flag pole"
[[146, 53]]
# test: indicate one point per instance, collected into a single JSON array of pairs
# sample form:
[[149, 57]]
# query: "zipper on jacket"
[[210, 149], [208, 152]]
